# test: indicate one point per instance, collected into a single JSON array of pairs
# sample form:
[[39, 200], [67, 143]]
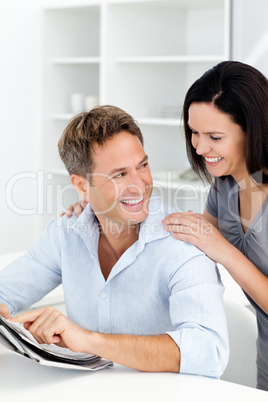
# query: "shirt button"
[[103, 295]]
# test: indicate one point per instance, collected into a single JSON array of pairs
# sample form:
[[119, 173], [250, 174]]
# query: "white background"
[[20, 99]]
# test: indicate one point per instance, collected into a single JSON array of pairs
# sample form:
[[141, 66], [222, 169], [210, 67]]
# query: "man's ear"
[[81, 185]]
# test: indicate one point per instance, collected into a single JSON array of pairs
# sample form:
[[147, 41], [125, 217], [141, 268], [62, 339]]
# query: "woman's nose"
[[201, 145]]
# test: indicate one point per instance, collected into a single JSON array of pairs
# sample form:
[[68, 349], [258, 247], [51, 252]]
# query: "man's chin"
[[133, 222]]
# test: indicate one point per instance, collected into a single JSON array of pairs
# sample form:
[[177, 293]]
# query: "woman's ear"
[[81, 185]]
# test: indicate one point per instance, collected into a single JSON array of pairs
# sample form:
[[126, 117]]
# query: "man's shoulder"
[[61, 225], [165, 241], [170, 255], [180, 247], [175, 250]]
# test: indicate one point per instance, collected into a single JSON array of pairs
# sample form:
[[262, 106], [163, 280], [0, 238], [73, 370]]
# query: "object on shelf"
[[77, 102], [90, 102], [189, 175], [176, 175]]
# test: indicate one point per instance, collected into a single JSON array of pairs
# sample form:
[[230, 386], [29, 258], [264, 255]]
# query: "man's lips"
[[133, 201]]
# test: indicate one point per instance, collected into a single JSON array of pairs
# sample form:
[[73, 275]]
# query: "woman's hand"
[[77, 208], [48, 325], [195, 229]]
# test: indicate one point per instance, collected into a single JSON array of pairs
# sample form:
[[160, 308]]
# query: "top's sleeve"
[[212, 202], [198, 316], [30, 277]]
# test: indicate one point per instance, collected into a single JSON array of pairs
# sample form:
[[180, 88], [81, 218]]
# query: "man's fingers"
[[27, 317], [4, 311], [41, 324]]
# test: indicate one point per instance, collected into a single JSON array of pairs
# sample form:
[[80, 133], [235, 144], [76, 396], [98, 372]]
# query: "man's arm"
[[31, 276], [145, 353]]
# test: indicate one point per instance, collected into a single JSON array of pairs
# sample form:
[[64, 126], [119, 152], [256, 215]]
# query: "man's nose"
[[136, 185]]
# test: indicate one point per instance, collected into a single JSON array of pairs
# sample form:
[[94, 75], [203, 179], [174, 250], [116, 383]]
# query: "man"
[[133, 294]]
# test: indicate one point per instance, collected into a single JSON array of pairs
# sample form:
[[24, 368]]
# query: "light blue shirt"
[[159, 285]]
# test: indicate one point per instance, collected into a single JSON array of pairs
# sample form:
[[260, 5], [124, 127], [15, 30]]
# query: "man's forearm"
[[145, 353]]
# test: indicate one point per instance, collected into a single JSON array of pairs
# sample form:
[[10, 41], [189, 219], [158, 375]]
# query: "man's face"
[[121, 184]]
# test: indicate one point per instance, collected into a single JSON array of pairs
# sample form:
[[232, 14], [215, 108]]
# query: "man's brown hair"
[[89, 128]]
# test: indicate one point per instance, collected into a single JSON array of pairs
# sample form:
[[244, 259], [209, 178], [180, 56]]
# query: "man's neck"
[[113, 245], [118, 237]]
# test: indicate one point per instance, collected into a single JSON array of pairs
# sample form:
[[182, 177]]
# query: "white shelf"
[[140, 55], [59, 172], [171, 59], [61, 116], [154, 121], [188, 4], [157, 121], [76, 60]]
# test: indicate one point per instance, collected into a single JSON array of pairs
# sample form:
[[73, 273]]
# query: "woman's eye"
[[215, 138]]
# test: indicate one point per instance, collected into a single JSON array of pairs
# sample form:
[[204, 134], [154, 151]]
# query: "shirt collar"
[[151, 229]]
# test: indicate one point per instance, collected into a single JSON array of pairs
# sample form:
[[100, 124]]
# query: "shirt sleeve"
[[30, 277], [212, 202], [197, 314]]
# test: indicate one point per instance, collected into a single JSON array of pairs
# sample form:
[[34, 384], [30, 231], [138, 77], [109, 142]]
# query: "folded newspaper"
[[16, 338]]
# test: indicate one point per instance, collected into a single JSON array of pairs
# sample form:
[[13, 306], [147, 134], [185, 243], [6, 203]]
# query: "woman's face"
[[220, 141]]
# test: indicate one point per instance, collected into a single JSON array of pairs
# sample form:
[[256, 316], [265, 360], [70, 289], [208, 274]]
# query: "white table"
[[24, 380]]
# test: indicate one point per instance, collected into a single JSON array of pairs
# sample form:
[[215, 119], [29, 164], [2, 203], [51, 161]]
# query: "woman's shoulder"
[[222, 195]]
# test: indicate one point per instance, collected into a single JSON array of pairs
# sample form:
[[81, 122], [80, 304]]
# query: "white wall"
[[19, 102], [250, 33]]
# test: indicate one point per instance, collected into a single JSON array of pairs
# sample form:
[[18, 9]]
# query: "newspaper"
[[16, 338]]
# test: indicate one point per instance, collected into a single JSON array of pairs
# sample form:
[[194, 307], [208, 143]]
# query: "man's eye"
[[119, 175], [144, 165]]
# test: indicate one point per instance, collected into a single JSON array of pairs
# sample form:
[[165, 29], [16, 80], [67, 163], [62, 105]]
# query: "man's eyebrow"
[[121, 169], [207, 132], [144, 159]]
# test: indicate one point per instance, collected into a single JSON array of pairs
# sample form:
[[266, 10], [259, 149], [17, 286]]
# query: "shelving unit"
[[139, 55]]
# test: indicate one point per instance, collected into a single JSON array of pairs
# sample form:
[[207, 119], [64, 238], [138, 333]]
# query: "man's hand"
[[146, 353], [4, 312], [77, 208], [48, 325]]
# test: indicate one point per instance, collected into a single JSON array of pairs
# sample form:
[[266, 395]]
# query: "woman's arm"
[[201, 231]]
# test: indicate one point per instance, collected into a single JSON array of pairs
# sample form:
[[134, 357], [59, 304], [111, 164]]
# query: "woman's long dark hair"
[[241, 92]]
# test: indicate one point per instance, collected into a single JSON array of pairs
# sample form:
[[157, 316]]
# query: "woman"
[[226, 129]]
